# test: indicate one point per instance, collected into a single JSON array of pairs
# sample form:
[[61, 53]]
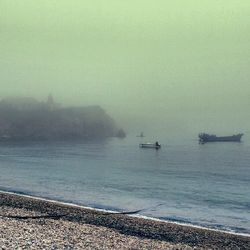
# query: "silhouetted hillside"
[[26, 118]]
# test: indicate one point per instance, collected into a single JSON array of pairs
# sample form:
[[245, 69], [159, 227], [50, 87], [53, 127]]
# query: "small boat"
[[150, 145], [203, 138], [140, 135]]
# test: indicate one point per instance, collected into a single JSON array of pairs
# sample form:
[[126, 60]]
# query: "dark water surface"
[[207, 185]]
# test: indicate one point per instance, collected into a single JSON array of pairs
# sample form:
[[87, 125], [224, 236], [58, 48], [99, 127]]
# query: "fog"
[[175, 67]]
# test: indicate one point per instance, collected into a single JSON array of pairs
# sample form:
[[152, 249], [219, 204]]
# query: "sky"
[[174, 66]]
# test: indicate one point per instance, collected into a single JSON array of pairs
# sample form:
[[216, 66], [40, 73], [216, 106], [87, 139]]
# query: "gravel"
[[81, 228], [63, 234]]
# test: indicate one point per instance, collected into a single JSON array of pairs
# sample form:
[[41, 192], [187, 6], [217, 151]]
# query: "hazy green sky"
[[175, 62]]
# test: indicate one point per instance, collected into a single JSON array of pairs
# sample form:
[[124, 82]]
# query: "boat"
[[140, 135], [155, 145], [203, 138]]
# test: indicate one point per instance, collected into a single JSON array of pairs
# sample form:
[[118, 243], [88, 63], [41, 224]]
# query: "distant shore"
[[117, 231]]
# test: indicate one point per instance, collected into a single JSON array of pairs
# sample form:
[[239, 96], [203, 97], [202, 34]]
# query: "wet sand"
[[73, 227]]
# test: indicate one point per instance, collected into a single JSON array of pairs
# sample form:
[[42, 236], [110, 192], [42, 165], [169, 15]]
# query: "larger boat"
[[213, 138]]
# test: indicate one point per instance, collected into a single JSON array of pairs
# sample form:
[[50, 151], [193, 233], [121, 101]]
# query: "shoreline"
[[136, 226], [116, 212]]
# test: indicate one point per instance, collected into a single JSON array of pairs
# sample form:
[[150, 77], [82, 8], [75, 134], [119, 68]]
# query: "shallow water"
[[207, 185]]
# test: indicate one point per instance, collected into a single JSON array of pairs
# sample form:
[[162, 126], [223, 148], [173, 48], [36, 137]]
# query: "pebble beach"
[[31, 223]]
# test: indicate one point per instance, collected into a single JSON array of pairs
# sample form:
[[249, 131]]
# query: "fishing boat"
[[155, 145], [203, 138]]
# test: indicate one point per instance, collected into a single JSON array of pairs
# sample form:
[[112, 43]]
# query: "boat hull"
[[150, 145], [213, 138]]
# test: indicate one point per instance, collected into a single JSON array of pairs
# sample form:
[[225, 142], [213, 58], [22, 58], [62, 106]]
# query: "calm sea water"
[[206, 185]]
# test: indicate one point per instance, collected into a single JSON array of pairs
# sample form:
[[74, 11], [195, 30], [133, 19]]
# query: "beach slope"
[[42, 224]]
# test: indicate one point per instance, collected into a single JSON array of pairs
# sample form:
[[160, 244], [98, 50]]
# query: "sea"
[[205, 185]]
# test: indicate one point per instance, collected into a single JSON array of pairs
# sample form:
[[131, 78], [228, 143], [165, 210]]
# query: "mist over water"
[[168, 69], [179, 66]]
